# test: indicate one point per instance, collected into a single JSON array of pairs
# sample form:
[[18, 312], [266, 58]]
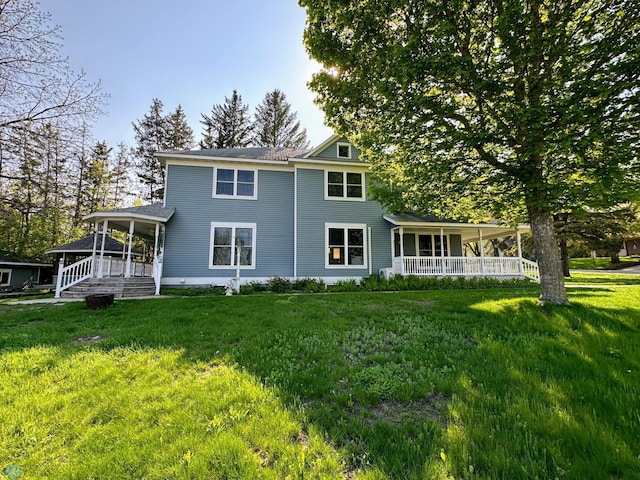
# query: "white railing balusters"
[[72, 274], [467, 266]]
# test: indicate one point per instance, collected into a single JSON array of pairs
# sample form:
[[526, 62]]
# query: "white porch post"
[[104, 237], [127, 272], [519, 243], [96, 229], [444, 267], [481, 251], [59, 279], [393, 249], [155, 240], [402, 251]]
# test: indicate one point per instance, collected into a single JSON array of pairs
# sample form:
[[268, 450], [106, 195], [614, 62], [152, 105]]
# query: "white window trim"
[[359, 226], [6, 270], [235, 184], [233, 226], [342, 144], [344, 182]]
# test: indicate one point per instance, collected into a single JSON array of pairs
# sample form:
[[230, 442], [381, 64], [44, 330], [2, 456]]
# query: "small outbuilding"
[[16, 273]]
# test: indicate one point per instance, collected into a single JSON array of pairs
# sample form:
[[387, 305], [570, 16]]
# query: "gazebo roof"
[[145, 218], [84, 246]]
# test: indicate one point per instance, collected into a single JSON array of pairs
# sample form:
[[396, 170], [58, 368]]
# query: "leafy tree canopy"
[[36, 83], [509, 106]]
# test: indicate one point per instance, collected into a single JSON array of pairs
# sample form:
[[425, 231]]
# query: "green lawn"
[[602, 278], [601, 263], [437, 384]]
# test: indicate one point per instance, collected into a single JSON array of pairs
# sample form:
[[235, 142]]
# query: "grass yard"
[[436, 384], [602, 278], [601, 263]]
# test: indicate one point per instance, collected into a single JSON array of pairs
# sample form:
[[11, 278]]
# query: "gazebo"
[[114, 251], [145, 222]]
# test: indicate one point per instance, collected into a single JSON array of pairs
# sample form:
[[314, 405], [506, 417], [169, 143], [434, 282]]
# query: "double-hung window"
[[344, 185], [346, 245], [230, 242], [235, 183]]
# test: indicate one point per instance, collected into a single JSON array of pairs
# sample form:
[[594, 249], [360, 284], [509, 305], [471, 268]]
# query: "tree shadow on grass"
[[472, 384]]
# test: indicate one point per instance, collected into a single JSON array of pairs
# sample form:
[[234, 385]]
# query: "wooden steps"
[[119, 286]]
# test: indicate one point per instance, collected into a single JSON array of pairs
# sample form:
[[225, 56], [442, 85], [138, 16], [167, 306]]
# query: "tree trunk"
[[564, 257], [552, 288]]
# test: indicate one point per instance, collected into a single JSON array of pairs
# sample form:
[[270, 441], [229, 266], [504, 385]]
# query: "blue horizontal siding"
[[187, 240], [330, 152], [314, 212]]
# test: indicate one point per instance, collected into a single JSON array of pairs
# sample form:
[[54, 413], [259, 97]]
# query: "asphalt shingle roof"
[[85, 245], [250, 153]]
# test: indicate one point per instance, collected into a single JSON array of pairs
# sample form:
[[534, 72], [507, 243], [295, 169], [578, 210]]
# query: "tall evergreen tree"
[[121, 181], [229, 125], [179, 133], [276, 125], [98, 180], [150, 134]]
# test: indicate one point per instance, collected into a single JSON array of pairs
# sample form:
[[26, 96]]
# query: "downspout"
[[295, 222], [369, 250]]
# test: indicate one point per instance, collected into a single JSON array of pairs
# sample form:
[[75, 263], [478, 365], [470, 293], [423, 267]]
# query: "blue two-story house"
[[251, 214]]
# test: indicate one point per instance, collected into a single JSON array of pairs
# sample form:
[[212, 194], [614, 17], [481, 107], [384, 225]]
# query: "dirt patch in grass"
[[427, 304], [431, 407], [88, 340]]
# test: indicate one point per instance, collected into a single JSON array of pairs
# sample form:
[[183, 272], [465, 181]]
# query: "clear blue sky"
[[192, 53]]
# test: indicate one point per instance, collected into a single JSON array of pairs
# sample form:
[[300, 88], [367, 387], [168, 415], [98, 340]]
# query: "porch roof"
[[146, 217], [468, 231], [84, 246]]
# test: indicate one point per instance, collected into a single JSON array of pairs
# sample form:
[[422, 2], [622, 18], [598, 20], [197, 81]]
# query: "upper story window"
[[231, 182], [343, 150], [344, 185]]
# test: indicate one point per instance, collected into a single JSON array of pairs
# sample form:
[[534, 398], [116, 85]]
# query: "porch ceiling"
[[468, 231]]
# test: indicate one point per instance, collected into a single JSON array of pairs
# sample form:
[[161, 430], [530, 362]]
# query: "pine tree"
[[151, 133], [121, 175], [276, 125], [229, 125], [179, 133]]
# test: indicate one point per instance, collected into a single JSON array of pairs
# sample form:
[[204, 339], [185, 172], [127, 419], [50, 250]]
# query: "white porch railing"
[[116, 267], [111, 267], [72, 274], [530, 270], [467, 266]]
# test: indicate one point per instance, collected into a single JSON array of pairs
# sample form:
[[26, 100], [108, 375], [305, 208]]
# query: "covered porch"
[[146, 222], [429, 246]]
